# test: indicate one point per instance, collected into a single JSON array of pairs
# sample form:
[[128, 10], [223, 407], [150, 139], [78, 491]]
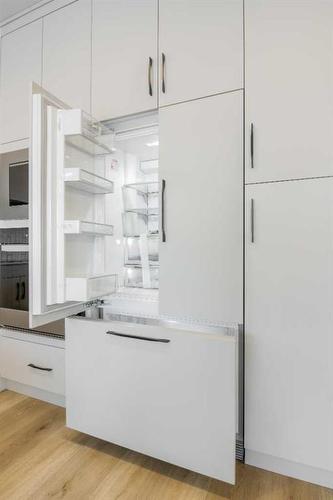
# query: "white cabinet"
[[201, 166], [201, 48], [124, 59], [21, 63], [33, 364], [168, 393], [67, 54], [289, 342], [289, 99]]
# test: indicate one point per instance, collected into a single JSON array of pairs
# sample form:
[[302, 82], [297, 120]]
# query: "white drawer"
[[38, 365], [169, 393]]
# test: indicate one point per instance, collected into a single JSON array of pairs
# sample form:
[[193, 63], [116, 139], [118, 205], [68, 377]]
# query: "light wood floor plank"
[[40, 459]]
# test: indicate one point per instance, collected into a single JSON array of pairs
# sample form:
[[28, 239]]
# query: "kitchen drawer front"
[[16, 356], [169, 394]]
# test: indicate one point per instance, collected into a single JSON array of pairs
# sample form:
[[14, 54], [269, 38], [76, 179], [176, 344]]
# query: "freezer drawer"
[[168, 393], [38, 365]]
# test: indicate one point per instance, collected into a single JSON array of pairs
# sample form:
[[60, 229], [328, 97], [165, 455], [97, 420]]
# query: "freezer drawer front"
[[167, 393]]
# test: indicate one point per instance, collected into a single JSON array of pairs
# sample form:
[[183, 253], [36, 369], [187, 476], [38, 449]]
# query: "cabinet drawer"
[[48, 364], [164, 392]]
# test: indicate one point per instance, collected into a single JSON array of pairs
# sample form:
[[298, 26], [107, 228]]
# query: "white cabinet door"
[[67, 219], [289, 342], [201, 164], [21, 63], [201, 48], [167, 393], [124, 60], [289, 99], [67, 54]]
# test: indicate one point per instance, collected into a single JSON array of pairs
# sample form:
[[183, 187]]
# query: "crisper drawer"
[[37, 365], [167, 393]]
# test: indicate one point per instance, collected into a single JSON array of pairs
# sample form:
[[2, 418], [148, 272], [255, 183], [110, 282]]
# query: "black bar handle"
[[163, 211], [252, 146], [163, 73], [17, 291], [23, 290], [137, 337], [252, 220], [36, 367], [150, 67]]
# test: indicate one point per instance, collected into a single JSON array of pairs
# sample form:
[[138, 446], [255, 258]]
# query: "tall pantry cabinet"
[[289, 237], [289, 100]]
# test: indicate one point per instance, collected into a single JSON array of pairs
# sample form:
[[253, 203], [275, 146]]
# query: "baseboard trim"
[[34, 392], [292, 469]]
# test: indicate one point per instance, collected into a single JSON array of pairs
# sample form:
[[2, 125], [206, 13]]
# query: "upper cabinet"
[[124, 58], [201, 48], [289, 98], [21, 63], [67, 54]]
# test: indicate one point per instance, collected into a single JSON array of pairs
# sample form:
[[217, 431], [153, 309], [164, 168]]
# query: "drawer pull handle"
[[163, 73], [150, 67], [137, 337], [36, 367]]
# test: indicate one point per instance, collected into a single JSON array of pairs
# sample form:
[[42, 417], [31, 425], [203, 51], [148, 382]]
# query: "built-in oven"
[[14, 243]]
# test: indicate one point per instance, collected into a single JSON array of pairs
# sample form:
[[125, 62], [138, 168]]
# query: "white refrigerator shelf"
[[78, 178], [83, 227]]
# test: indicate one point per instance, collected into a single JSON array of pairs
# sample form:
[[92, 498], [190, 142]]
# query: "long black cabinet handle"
[[252, 146], [36, 367], [150, 67], [252, 220], [163, 73], [137, 337], [163, 211], [23, 290], [17, 291]]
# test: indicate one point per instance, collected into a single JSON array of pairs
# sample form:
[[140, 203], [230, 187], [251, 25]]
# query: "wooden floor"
[[40, 458]]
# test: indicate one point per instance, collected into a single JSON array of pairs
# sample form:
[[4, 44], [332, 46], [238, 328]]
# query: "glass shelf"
[[88, 144], [146, 212], [144, 188], [83, 227], [82, 180]]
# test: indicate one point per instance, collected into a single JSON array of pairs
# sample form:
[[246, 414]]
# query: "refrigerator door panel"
[[201, 168], [46, 256]]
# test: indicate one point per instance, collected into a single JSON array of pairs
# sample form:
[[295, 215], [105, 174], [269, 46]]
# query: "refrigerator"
[[136, 224]]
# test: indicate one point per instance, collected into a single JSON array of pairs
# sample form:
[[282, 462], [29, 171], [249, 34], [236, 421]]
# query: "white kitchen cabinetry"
[[201, 168], [289, 342], [289, 99], [165, 392], [21, 63], [33, 365], [30, 363], [201, 48], [67, 54], [124, 59]]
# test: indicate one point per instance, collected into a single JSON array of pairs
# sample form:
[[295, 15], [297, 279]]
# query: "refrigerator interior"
[[112, 220]]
